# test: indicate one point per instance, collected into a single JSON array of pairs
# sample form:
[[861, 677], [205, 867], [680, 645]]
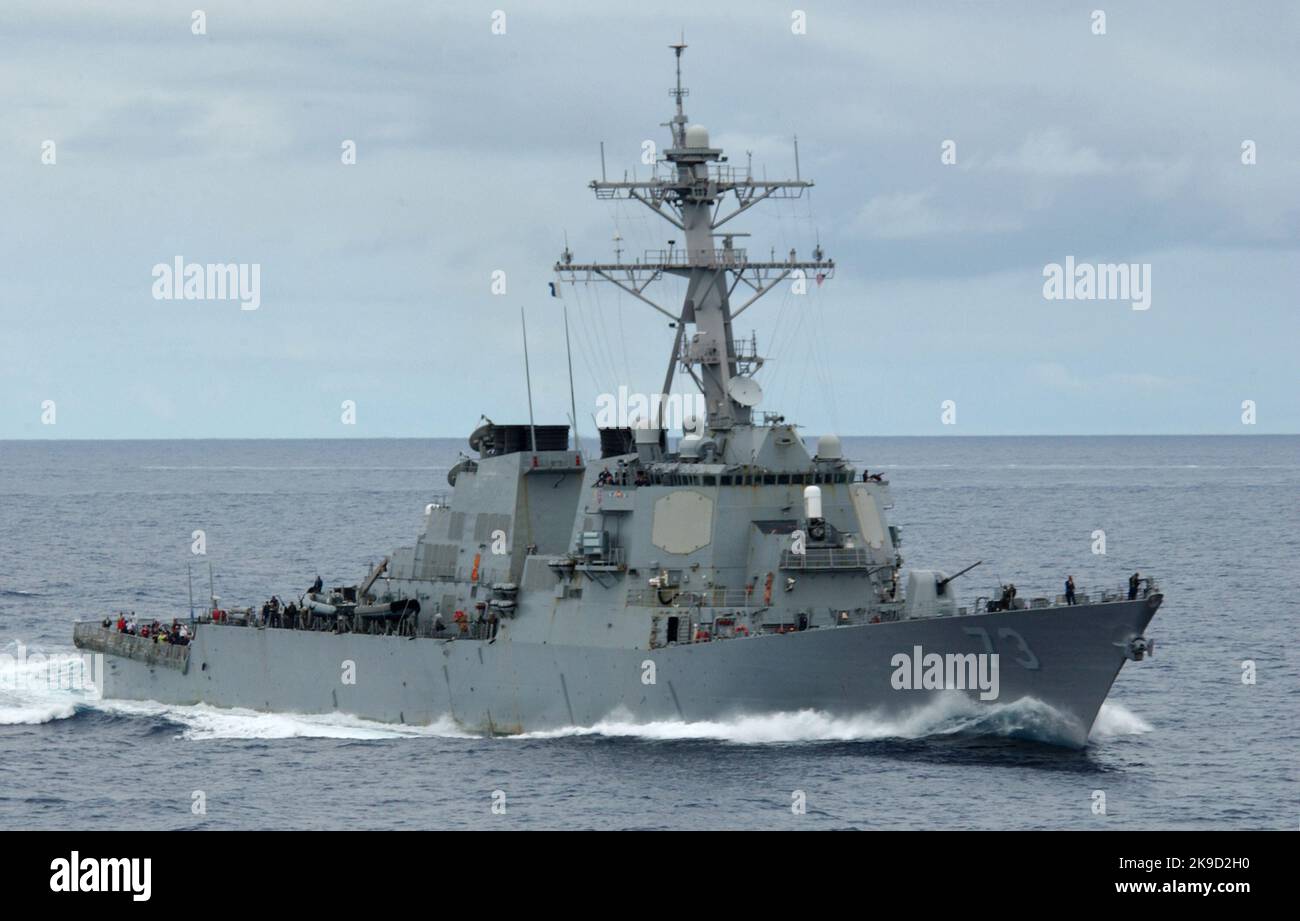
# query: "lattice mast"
[[690, 192]]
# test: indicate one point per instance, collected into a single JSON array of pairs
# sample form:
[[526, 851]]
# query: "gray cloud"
[[474, 152]]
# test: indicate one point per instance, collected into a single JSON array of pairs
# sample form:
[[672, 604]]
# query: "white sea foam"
[[795, 726], [1115, 719], [33, 713], [202, 722], [949, 715], [30, 688]]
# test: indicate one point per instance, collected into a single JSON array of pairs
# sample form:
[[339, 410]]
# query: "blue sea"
[[87, 528]]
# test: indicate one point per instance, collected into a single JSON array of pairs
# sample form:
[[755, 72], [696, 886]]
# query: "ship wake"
[[1025, 719], [36, 688], [202, 722]]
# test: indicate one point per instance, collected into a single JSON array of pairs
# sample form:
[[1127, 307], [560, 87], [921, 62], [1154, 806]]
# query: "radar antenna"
[[691, 193]]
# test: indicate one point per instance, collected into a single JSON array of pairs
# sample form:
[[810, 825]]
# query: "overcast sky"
[[473, 154]]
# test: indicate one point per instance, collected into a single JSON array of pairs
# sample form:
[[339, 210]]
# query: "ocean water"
[[90, 527]]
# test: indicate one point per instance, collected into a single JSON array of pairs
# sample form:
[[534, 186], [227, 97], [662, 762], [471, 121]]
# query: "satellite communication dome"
[[829, 447], [697, 136]]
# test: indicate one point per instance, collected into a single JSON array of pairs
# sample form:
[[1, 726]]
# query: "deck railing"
[[827, 559], [1147, 586]]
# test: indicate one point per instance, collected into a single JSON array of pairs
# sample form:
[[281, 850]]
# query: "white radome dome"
[[829, 447], [697, 136]]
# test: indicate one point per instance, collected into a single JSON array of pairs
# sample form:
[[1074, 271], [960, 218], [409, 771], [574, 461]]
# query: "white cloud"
[[1051, 152]]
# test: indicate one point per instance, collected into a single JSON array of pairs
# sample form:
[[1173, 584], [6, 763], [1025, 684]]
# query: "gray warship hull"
[[1063, 657]]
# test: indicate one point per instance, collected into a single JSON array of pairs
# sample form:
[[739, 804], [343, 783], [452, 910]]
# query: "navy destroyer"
[[725, 572]]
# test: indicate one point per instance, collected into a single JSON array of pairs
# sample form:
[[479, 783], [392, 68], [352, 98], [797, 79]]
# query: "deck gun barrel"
[[943, 583]]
